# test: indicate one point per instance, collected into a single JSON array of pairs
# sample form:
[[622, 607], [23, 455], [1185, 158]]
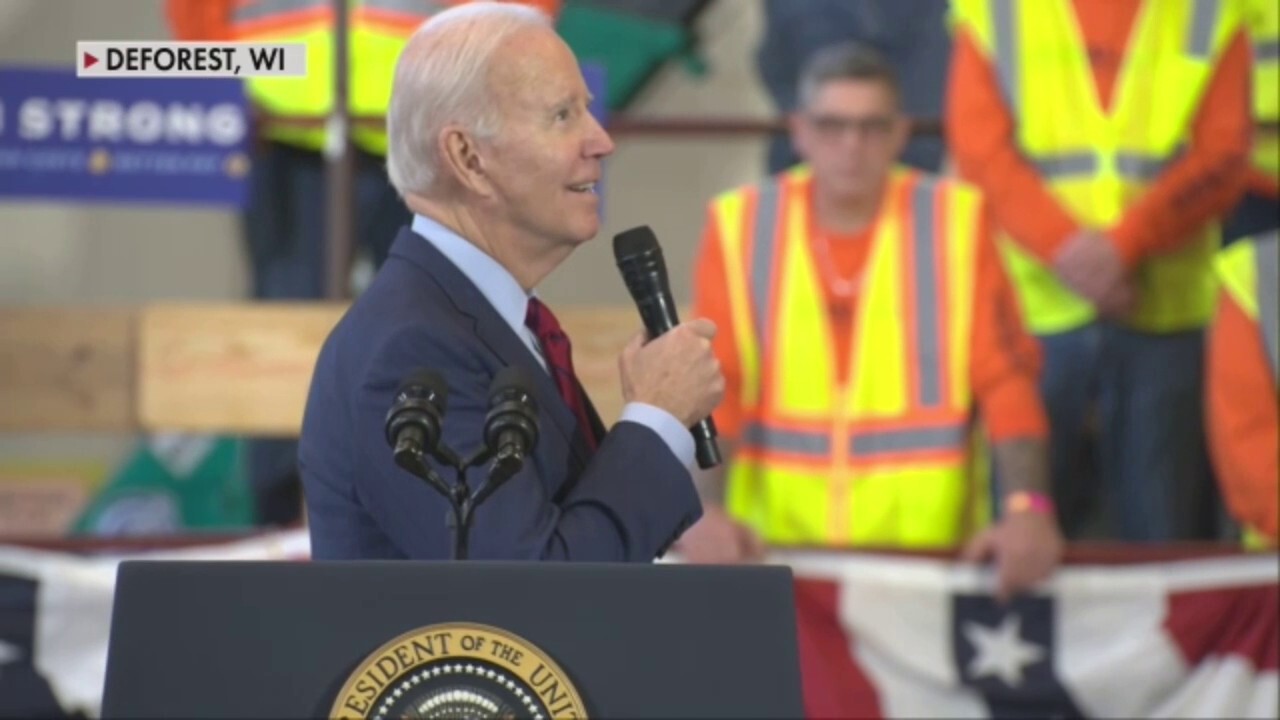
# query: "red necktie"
[[559, 356]]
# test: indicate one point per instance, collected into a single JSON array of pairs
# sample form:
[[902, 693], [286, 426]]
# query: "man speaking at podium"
[[492, 147]]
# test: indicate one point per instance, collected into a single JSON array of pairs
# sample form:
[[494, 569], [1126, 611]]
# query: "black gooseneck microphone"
[[413, 425], [644, 271], [511, 426]]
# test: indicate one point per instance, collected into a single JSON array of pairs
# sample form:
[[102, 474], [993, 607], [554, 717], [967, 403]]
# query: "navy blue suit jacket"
[[628, 501]]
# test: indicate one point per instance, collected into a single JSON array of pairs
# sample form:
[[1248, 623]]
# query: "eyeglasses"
[[874, 127]]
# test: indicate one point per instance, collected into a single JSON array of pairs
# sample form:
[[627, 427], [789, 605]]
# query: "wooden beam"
[[234, 368], [66, 369], [241, 368], [599, 333], [246, 368]]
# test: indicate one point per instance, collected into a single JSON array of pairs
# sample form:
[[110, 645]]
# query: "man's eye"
[[562, 114]]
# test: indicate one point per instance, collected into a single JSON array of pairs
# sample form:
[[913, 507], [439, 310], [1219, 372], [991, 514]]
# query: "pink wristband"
[[1025, 501]]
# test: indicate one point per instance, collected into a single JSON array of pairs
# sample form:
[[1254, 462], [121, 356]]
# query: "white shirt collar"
[[494, 281]]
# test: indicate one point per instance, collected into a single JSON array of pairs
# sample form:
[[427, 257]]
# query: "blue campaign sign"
[[594, 75], [141, 140]]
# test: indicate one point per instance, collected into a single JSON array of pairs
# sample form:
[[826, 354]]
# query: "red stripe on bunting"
[[834, 685]]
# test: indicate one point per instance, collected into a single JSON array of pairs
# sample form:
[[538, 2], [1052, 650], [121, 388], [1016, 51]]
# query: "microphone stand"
[[462, 501]]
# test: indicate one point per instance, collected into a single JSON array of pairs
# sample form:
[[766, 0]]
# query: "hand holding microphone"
[[676, 370]]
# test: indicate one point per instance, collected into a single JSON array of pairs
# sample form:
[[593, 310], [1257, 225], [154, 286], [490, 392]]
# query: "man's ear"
[[460, 153]]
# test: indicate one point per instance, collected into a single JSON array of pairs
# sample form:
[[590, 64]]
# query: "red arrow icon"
[[89, 61]]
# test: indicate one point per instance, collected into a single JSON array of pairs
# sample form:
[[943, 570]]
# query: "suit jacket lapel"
[[597, 425], [493, 331], [580, 447]]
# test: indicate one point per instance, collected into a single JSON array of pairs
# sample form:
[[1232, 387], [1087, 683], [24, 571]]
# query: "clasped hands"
[[1090, 265]]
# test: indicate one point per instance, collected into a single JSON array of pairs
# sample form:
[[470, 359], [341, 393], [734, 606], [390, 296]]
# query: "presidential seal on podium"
[[458, 670]]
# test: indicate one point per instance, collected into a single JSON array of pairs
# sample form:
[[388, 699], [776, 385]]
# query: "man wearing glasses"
[[864, 321]]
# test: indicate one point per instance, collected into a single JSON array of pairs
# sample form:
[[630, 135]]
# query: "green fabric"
[[173, 484], [630, 48]]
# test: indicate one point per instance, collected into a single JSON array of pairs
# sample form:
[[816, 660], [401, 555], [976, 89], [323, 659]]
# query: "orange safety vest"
[[885, 459]]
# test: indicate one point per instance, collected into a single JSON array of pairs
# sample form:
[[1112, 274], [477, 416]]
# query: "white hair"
[[441, 77]]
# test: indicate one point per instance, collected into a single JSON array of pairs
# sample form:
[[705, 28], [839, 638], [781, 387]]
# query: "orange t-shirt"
[[1005, 360], [1201, 185], [848, 255], [1241, 409]]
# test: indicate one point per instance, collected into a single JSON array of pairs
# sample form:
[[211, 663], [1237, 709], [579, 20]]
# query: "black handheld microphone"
[[413, 425], [511, 426], [639, 258]]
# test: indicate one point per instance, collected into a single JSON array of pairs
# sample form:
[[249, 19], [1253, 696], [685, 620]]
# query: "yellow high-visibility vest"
[[883, 460], [1098, 163], [1264, 33], [377, 33], [1250, 273]]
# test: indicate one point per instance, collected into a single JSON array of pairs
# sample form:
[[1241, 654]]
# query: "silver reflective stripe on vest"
[[1065, 165], [929, 355], [1204, 17], [795, 442], [1085, 165], [252, 11], [1266, 51], [421, 8], [1141, 167], [1005, 22], [1268, 267], [764, 243], [886, 442]]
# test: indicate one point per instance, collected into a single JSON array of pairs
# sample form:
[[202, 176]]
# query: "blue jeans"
[[1153, 477], [284, 229], [910, 34], [284, 223]]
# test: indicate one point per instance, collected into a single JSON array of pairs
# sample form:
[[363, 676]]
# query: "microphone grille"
[[636, 241], [426, 379], [511, 377]]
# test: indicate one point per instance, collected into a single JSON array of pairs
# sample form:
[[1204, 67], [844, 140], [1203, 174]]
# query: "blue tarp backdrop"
[[146, 140]]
